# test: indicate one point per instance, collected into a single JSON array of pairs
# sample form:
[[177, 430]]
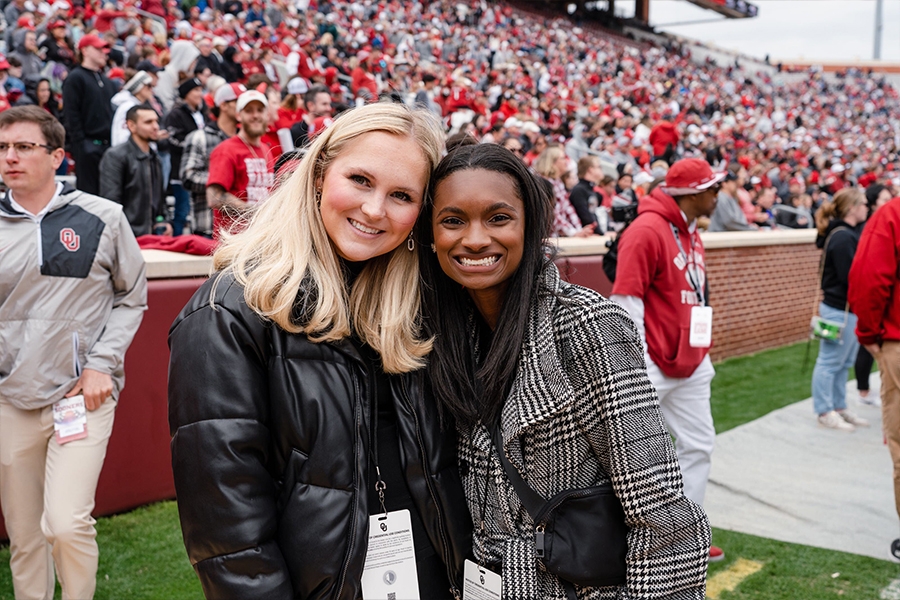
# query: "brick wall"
[[762, 296], [762, 285]]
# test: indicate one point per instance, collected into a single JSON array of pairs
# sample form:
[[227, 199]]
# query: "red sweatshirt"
[[663, 134], [651, 267], [873, 277]]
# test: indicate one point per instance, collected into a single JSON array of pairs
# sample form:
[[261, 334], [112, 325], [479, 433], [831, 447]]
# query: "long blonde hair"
[[290, 271], [545, 163], [838, 207]]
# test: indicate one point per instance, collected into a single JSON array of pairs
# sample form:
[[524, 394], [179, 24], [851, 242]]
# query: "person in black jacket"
[[836, 221], [189, 115], [88, 112], [57, 46], [583, 197], [131, 173], [297, 404]]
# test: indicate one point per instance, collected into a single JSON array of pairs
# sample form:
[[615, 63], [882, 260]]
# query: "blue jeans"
[[182, 208], [829, 380]]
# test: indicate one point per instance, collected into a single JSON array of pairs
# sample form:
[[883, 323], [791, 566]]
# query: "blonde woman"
[[552, 164], [837, 221], [295, 395]]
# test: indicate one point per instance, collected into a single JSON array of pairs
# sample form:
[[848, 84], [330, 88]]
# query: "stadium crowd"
[[211, 104], [490, 70]]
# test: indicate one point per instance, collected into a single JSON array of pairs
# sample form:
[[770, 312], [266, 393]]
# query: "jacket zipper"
[[346, 566], [453, 588], [76, 361]]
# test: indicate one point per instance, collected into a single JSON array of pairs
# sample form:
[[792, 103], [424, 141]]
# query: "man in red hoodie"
[[872, 291], [661, 282]]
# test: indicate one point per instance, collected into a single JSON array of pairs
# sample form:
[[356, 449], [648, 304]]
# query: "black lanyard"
[[690, 275], [380, 485]]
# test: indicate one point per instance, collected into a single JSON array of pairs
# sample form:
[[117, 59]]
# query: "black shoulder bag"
[[579, 535]]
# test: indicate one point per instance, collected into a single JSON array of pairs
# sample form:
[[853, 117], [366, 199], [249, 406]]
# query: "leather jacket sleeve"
[[112, 174], [218, 414]]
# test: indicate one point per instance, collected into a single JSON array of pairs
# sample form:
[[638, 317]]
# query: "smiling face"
[[372, 193], [479, 231], [254, 119]]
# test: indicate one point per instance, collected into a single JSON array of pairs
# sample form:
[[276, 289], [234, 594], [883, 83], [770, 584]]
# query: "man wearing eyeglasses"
[[72, 295]]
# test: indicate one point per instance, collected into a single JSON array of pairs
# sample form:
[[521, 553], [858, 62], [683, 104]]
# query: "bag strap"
[[531, 500]]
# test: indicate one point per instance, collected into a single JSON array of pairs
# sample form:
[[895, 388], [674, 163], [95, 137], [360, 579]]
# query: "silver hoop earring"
[[410, 244], [433, 249]]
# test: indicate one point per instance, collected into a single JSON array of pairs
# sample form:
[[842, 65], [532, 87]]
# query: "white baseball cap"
[[251, 96], [297, 85]]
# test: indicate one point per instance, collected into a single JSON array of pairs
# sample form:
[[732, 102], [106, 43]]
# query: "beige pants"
[[47, 494], [889, 366]]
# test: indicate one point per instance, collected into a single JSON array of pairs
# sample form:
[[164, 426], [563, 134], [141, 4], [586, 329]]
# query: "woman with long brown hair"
[[836, 221]]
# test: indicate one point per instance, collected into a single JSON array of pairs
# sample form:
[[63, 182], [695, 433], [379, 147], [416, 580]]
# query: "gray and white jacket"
[[73, 290], [581, 411]]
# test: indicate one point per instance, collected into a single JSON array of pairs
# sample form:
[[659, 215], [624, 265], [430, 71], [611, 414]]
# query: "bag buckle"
[[539, 541]]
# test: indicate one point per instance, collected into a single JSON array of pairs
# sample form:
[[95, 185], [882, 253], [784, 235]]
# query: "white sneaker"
[[832, 420], [852, 418], [870, 399]]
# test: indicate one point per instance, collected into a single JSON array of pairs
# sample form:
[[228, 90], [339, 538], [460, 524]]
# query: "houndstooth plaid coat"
[[581, 411]]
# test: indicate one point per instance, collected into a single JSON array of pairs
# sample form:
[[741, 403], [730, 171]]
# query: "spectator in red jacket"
[[661, 282], [664, 137], [874, 298], [362, 78]]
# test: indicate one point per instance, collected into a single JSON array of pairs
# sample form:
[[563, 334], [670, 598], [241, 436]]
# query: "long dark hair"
[[473, 394]]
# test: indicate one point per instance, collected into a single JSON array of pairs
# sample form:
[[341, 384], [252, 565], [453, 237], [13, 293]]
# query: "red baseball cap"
[[318, 126], [92, 40], [691, 176], [56, 24], [4, 64]]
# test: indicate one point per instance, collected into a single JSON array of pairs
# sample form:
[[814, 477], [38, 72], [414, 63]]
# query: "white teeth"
[[482, 262], [363, 228]]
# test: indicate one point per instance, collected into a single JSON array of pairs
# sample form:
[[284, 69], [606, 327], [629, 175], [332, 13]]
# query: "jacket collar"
[[61, 200], [138, 153], [541, 387]]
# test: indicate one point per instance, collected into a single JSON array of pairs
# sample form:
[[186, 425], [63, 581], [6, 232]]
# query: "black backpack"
[[611, 258]]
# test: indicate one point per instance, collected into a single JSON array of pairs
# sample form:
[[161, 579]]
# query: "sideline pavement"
[[785, 477]]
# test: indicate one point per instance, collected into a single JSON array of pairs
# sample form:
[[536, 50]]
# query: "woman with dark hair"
[[556, 372], [232, 65], [837, 221], [38, 92]]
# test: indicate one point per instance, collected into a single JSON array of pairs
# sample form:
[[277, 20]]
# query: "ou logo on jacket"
[[70, 240]]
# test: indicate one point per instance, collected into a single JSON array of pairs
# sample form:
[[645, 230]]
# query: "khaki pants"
[[47, 493], [889, 365]]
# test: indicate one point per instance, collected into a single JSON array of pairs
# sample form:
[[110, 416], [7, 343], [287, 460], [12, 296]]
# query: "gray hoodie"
[[73, 290], [183, 53]]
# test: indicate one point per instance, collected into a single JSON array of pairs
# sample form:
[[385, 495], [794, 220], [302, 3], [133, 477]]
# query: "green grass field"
[[142, 557]]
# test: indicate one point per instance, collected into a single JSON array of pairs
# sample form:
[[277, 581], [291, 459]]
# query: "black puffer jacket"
[[269, 451]]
